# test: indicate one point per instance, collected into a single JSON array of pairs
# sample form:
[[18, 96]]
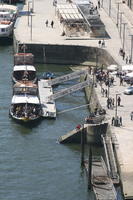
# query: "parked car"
[[129, 90]]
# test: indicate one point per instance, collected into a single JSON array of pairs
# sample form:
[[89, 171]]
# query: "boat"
[[8, 15], [23, 69], [22, 73], [25, 104]]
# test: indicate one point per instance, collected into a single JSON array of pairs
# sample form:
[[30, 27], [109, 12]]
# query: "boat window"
[[3, 30]]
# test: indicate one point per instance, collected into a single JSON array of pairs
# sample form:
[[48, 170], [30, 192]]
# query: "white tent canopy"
[[129, 74], [112, 67], [127, 68]]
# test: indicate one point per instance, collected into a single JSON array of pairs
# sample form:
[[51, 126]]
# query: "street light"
[[118, 8], [123, 44], [29, 10], [109, 7], [121, 13]]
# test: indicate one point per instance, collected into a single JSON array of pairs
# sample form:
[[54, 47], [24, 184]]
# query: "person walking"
[[123, 55], [52, 23], [119, 101], [46, 23], [126, 59], [99, 42], [99, 4], [120, 120], [131, 115]]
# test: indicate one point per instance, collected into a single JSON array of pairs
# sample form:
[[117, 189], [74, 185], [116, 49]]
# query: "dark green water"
[[33, 166]]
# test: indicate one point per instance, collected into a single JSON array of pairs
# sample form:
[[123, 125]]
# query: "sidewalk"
[[40, 34], [124, 133]]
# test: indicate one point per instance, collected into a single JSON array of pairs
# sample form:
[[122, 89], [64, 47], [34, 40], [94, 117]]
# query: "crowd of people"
[[28, 111]]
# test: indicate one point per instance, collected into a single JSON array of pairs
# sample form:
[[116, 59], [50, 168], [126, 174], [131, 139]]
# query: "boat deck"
[[48, 107]]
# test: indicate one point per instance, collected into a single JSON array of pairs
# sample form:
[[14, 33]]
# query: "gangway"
[[69, 90], [67, 77], [110, 159]]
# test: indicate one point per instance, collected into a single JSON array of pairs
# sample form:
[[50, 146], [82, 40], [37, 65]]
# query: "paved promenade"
[[46, 35], [124, 133]]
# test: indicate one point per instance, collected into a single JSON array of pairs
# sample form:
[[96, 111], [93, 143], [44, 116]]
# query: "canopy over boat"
[[6, 7], [24, 68], [18, 99]]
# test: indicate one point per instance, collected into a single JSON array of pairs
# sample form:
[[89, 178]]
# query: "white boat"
[[25, 105], [25, 108], [22, 73], [8, 14]]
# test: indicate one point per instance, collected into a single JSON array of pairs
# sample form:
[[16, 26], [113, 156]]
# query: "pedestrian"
[[113, 120], [123, 55], [130, 61], [99, 4], [119, 101], [46, 23], [103, 43], [131, 115], [126, 59], [120, 120], [99, 42], [113, 102], [121, 80], [103, 91], [121, 51], [106, 92], [52, 23]]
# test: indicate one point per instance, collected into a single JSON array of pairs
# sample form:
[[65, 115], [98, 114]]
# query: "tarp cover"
[[16, 99]]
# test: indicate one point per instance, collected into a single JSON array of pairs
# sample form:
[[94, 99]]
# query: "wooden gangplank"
[[69, 90], [67, 77], [102, 184]]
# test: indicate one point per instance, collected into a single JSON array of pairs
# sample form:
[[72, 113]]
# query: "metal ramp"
[[69, 90], [67, 77], [110, 159]]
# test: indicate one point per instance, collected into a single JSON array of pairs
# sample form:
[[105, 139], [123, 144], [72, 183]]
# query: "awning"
[[24, 68], [17, 99]]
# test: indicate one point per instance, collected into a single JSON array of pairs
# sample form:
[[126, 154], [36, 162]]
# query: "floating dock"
[[48, 107]]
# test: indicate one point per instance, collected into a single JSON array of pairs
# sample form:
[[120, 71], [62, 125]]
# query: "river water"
[[33, 166]]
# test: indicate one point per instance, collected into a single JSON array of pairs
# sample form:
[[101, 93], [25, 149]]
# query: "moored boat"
[[22, 73], [8, 14], [25, 108], [25, 104]]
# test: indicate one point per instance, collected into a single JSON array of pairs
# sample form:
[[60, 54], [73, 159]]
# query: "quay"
[[49, 46], [122, 135]]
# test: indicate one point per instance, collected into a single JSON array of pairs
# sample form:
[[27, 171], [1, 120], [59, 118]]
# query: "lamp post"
[[31, 27], [118, 8], [131, 52], [29, 11], [123, 44], [121, 13], [108, 85], [109, 8]]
